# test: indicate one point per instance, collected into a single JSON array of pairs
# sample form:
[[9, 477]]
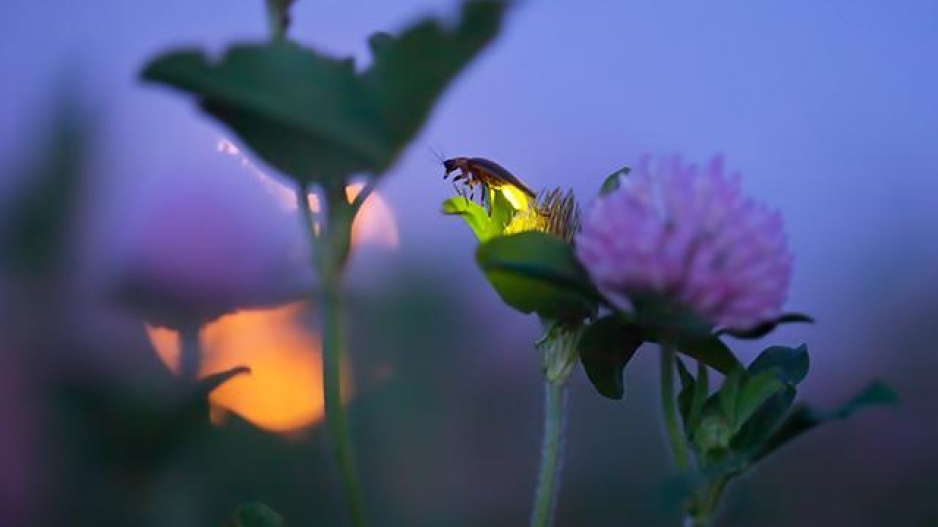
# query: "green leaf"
[[606, 347], [701, 392], [613, 181], [255, 515], [757, 429], [791, 364], [314, 117], [535, 272], [686, 395], [756, 390], [767, 327], [693, 395], [728, 394], [803, 418]]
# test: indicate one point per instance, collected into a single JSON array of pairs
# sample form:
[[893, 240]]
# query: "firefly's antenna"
[[439, 157]]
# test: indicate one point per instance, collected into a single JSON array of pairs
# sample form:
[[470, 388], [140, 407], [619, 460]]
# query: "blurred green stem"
[[277, 19], [190, 353], [331, 257], [705, 502], [548, 481], [669, 408]]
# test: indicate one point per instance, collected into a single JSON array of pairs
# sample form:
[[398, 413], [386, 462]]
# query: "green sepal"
[[684, 330], [707, 348], [474, 215], [606, 347], [535, 272], [613, 181], [767, 327]]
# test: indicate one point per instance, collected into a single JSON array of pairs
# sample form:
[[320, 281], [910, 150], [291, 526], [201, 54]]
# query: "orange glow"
[[283, 392], [375, 223]]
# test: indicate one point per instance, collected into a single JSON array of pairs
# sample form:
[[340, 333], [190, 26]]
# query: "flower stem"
[[668, 408], [548, 481], [705, 504], [333, 343]]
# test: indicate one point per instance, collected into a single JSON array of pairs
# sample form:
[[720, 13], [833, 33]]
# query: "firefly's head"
[[456, 163]]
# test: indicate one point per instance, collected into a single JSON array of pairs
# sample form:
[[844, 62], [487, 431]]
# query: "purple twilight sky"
[[829, 110]]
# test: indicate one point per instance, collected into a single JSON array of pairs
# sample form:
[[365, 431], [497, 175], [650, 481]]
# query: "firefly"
[[474, 172]]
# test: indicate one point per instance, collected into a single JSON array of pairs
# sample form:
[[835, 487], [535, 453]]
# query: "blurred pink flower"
[[688, 236], [190, 249]]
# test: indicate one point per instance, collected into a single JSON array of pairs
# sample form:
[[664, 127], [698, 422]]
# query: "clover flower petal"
[[688, 235]]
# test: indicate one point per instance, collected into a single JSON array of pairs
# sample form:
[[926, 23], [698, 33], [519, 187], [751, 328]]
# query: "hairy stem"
[[548, 481], [669, 408]]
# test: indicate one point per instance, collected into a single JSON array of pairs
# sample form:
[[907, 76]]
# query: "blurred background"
[[828, 111]]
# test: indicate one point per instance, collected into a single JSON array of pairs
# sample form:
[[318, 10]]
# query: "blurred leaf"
[[40, 219], [137, 428], [803, 418], [791, 364], [411, 71], [313, 117], [606, 347], [767, 327], [194, 412], [208, 384], [255, 515], [535, 272], [303, 113], [613, 181]]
